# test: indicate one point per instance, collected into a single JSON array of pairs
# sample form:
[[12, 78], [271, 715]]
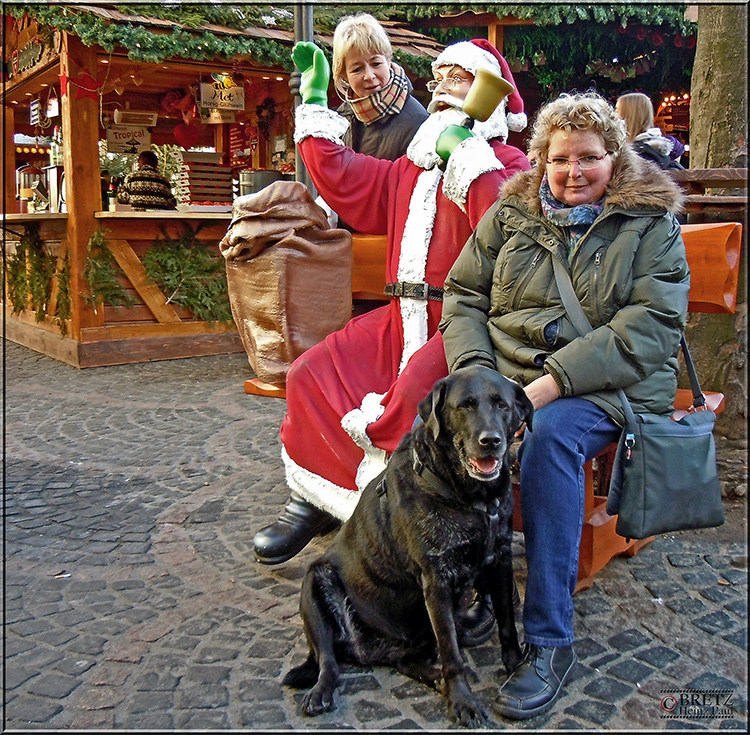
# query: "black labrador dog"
[[434, 525]]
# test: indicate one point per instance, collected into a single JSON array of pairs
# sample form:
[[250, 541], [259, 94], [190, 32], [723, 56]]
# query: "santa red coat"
[[353, 396]]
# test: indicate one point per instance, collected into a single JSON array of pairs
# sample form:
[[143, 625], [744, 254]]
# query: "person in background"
[[608, 217], [377, 95], [678, 148], [647, 140], [351, 397], [146, 188]]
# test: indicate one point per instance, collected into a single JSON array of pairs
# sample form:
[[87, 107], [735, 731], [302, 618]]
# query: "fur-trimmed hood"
[[636, 184]]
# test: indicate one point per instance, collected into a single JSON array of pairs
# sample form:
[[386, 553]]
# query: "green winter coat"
[[629, 272]]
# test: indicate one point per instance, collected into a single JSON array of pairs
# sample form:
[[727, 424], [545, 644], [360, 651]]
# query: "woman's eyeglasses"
[[585, 163], [433, 84]]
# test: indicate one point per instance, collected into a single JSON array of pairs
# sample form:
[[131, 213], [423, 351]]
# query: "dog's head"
[[474, 413]]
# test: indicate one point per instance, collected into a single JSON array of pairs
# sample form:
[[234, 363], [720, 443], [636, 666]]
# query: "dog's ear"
[[524, 407], [431, 407]]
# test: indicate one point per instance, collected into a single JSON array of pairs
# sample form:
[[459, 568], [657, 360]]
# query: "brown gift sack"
[[289, 276]]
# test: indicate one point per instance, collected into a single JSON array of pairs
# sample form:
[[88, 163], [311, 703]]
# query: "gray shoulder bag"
[[664, 477]]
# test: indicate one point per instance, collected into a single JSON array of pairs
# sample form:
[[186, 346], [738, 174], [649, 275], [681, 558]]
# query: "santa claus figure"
[[353, 396]]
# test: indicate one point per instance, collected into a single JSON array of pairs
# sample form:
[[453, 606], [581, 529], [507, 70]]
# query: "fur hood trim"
[[636, 184]]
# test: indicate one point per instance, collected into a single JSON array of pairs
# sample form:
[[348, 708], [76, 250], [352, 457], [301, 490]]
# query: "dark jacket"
[[662, 160], [629, 271], [388, 137]]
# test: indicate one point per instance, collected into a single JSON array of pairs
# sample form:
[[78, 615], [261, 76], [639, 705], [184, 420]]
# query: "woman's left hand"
[[542, 391]]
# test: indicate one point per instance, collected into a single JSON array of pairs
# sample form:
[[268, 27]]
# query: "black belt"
[[413, 290]]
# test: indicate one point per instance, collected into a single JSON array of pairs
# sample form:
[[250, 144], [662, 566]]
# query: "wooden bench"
[[696, 181]]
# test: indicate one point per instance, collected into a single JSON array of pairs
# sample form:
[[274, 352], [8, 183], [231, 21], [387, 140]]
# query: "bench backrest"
[[713, 254]]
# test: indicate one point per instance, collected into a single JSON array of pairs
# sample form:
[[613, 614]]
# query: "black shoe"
[[534, 686], [475, 624], [299, 524]]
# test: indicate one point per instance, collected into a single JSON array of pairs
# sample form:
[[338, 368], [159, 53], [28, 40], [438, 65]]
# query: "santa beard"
[[421, 150]]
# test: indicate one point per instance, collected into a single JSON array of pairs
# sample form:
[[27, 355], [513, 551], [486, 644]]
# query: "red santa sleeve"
[[356, 186]]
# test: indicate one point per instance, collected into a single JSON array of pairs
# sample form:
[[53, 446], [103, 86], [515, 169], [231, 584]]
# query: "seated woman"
[[609, 218]]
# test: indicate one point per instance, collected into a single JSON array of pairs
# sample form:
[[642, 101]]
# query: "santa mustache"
[[447, 99]]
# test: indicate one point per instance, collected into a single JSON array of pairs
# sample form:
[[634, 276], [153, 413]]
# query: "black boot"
[[535, 685], [475, 624], [299, 524]]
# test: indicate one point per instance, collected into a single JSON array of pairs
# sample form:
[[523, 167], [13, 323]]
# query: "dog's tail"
[[303, 676]]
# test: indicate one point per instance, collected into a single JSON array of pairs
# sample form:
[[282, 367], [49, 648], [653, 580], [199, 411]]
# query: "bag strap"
[[581, 323]]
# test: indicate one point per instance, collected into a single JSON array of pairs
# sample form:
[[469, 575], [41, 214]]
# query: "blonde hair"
[[579, 111], [362, 33], [637, 112]]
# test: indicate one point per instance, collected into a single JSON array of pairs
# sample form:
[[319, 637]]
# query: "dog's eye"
[[498, 402], [469, 403]]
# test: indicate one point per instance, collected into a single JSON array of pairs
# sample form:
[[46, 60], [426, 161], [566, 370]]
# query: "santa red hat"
[[481, 54]]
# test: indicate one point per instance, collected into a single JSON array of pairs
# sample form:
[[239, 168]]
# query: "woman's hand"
[[542, 391]]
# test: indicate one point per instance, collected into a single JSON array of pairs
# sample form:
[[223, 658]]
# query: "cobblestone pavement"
[[132, 600]]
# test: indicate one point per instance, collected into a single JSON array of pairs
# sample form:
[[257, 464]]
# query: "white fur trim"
[[468, 56], [322, 493], [412, 264], [355, 422], [517, 121], [319, 122], [471, 158]]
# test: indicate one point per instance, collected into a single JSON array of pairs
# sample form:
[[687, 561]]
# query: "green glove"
[[449, 139], [316, 72]]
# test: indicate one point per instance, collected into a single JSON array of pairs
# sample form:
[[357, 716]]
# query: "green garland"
[[190, 275], [29, 274], [103, 275], [64, 302]]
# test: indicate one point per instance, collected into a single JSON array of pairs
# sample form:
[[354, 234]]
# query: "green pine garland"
[[29, 274], [64, 303], [103, 275], [190, 275]]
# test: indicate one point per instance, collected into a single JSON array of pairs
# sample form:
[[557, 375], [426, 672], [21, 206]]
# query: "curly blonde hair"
[[578, 111], [363, 33]]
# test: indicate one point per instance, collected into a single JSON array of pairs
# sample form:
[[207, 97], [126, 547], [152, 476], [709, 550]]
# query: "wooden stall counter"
[[153, 326]]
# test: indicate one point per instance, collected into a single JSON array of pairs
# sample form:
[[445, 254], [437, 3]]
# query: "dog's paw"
[[467, 712], [317, 701]]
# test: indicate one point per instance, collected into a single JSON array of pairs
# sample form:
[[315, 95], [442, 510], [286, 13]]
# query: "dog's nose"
[[489, 440]]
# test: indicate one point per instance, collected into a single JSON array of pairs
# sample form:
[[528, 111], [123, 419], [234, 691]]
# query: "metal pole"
[[303, 31]]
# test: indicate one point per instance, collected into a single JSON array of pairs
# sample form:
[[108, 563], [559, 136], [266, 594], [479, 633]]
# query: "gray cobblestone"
[[132, 601]]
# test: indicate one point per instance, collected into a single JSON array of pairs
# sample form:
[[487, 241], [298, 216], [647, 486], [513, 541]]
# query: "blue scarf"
[[575, 221]]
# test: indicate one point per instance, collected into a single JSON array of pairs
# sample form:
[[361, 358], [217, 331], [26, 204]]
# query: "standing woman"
[[609, 218], [646, 139], [377, 95]]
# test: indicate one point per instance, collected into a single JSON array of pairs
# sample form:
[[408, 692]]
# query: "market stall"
[[88, 112]]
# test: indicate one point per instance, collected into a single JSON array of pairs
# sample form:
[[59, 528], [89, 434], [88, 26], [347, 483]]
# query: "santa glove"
[[450, 139], [316, 72]]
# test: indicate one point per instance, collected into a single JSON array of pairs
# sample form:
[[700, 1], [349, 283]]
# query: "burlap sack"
[[289, 276]]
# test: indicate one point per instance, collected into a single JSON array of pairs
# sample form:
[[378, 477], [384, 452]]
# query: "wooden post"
[[9, 181], [80, 128]]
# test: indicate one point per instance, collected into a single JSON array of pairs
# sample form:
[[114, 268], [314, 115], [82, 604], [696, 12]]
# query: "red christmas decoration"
[[63, 84], [186, 135], [690, 43], [678, 41], [86, 86], [656, 38], [640, 34]]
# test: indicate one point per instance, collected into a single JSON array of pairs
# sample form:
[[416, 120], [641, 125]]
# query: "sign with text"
[[219, 97], [128, 139], [211, 116]]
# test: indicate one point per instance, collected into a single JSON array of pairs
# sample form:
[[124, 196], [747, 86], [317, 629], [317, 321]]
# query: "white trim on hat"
[[468, 56]]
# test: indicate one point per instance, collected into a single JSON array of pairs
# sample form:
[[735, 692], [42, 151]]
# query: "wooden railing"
[[696, 182]]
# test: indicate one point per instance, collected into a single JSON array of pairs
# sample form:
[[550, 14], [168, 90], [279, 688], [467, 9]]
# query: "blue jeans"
[[566, 433]]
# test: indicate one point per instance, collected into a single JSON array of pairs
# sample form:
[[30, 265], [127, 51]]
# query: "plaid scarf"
[[388, 101], [575, 221]]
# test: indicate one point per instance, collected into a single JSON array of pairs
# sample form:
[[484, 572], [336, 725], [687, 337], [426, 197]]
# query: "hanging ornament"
[[87, 86], [186, 135]]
